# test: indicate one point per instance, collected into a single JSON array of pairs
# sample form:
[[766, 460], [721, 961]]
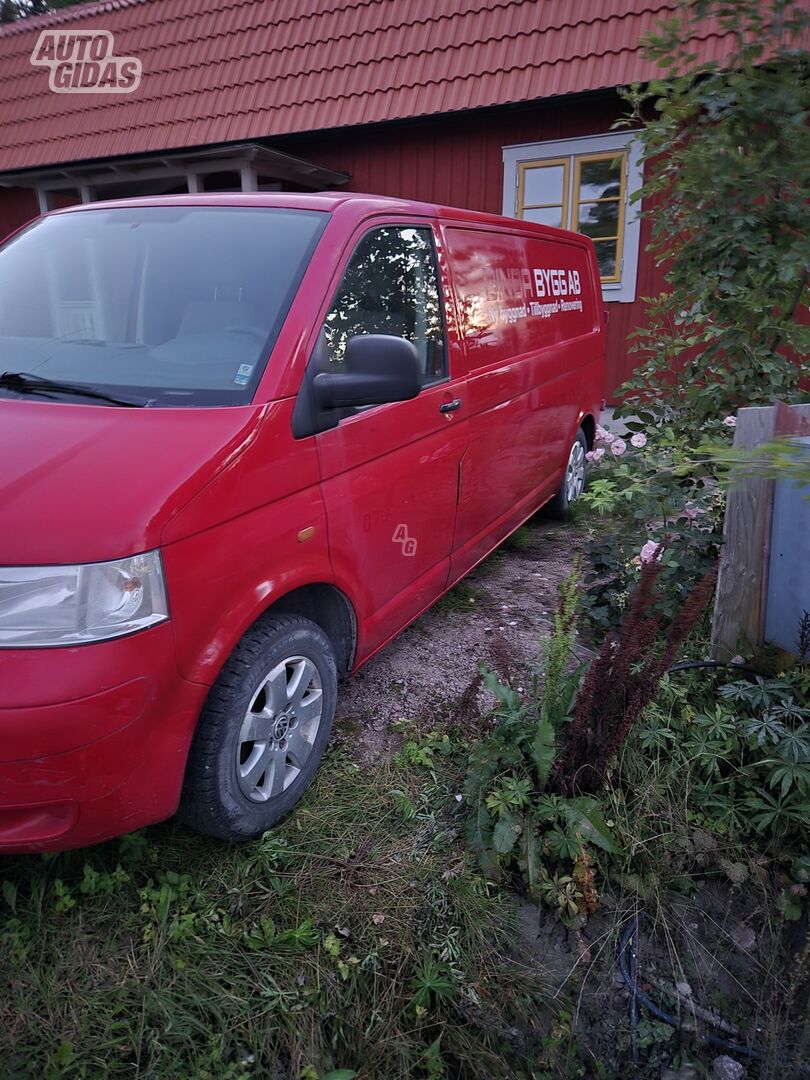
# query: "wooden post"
[[738, 620]]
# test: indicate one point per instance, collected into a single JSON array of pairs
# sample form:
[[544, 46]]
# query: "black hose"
[[637, 995], [686, 665], [633, 994]]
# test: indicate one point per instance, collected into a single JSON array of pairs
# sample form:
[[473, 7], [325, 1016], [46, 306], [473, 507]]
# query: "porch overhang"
[[257, 167]]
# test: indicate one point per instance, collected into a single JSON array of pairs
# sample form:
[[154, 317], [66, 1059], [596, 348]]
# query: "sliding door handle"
[[450, 406]]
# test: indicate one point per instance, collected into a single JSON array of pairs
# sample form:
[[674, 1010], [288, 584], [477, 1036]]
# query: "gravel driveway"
[[500, 614]]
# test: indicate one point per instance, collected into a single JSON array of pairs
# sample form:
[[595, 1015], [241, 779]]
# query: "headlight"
[[69, 605]]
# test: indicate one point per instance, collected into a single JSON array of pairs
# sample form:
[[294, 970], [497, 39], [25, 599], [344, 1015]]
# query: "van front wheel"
[[574, 478], [263, 732]]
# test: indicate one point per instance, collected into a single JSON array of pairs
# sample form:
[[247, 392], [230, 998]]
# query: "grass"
[[359, 939], [521, 540], [356, 937], [462, 597]]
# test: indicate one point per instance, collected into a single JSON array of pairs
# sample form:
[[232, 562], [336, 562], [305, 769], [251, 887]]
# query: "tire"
[[574, 478], [263, 732]]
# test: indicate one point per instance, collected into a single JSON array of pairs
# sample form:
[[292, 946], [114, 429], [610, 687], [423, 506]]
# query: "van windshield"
[[175, 305]]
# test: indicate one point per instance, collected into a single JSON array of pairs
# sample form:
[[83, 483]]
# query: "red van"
[[244, 441]]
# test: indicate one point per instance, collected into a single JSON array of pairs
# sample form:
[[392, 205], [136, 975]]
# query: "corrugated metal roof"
[[223, 70]]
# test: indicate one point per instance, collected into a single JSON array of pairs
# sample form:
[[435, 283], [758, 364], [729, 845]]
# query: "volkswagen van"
[[244, 441]]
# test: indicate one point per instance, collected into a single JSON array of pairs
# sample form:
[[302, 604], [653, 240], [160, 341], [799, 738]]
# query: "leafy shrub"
[[649, 491], [518, 822], [744, 752], [728, 150]]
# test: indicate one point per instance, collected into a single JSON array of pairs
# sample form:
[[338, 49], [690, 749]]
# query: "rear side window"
[[390, 286]]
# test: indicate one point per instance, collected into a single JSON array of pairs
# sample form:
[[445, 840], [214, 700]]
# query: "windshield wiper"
[[25, 383]]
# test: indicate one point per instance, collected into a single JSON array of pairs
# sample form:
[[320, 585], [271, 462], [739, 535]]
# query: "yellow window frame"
[[545, 163], [622, 157]]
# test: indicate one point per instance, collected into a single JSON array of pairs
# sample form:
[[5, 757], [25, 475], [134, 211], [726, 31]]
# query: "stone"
[[744, 938], [687, 1071], [726, 1068]]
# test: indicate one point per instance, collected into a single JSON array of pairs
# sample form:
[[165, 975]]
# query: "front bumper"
[[93, 740]]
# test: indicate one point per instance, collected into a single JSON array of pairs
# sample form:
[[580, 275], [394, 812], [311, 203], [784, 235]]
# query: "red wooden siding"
[[17, 206]]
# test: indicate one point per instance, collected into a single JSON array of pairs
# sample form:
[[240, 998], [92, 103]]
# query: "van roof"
[[355, 204]]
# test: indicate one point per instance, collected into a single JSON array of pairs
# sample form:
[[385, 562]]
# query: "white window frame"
[[622, 291]]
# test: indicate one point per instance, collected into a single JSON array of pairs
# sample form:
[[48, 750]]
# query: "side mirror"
[[379, 368]]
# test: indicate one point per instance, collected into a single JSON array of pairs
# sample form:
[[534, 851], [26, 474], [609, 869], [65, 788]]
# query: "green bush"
[[743, 749], [727, 149], [647, 769], [645, 495], [517, 821]]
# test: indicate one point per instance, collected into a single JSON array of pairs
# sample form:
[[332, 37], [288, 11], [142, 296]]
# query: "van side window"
[[390, 287]]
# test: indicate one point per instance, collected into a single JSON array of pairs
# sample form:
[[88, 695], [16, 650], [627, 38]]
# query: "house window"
[[543, 191], [583, 185]]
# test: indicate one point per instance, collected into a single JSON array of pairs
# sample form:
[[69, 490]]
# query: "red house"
[[499, 105]]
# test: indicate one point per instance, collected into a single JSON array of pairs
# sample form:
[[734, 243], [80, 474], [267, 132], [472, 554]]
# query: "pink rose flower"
[[692, 512], [639, 440], [730, 421], [595, 455], [650, 552], [604, 435], [618, 446]]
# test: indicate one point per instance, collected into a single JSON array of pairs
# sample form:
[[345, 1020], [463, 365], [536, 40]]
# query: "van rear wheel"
[[574, 478], [263, 731]]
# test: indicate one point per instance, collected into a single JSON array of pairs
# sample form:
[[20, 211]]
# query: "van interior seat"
[[210, 316], [380, 321]]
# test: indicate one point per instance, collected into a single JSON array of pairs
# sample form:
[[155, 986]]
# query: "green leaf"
[[530, 850], [339, 1074], [585, 815], [502, 691], [490, 865], [479, 825], [786, 774], [10, 895], [544, 750], [478, 829], [505, 833], [789, 905]]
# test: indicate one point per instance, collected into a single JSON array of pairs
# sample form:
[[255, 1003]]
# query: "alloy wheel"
[[279, 729], [575, 472]]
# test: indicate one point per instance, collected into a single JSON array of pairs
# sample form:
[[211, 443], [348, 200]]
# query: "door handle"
[[450, 406]]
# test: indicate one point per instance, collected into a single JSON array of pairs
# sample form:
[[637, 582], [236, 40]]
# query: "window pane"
[[600, 179], [543, 184], [545, 215], [390, 287], [599, 218], [606, 257]]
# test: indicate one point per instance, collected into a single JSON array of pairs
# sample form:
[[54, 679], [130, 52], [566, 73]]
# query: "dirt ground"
[[716, 948], [500, 613], [717, 959]]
